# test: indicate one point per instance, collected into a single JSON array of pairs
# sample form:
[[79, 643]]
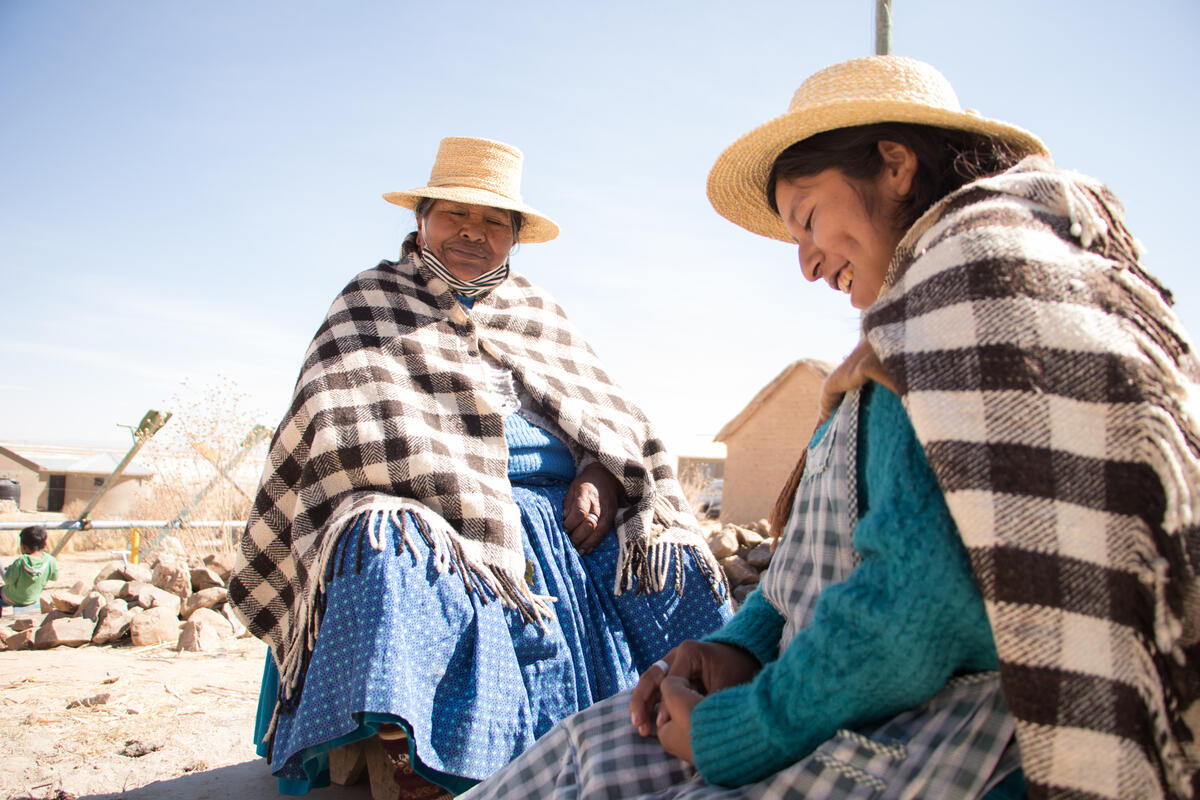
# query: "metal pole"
[[112, 524], [256, 435], [883, 27], [151, 423]]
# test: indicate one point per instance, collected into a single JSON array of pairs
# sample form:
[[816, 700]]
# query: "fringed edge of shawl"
[[644, 567], [490, 582]]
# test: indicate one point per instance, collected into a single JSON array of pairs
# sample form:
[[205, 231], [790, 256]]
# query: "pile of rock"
[[744, 552], [178, 600]]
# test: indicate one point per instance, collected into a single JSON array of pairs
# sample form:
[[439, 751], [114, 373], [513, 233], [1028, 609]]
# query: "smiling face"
[[468, 239], [843, 229]]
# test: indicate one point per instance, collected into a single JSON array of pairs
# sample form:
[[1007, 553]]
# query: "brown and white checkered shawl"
[[1057, 398], [388, 417]]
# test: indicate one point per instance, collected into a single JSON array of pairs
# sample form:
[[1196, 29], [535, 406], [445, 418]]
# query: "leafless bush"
[[211, 429], [692, 481]]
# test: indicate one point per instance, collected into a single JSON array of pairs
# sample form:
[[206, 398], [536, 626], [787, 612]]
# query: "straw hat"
[[862, 91], [483, 173]]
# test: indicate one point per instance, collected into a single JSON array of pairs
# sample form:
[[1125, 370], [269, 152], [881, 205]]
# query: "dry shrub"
[[692, 481], [207, 429]]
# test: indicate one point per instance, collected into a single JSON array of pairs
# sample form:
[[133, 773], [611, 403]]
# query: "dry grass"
[[208, 428], [692, 482]]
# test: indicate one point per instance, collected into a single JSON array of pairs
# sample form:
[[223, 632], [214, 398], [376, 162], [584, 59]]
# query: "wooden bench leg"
[[379, 767], [348, 764]]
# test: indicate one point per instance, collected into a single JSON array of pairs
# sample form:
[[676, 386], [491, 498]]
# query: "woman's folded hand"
[[705, 667], [590, 506]]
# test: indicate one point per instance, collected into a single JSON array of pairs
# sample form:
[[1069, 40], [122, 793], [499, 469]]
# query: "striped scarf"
[[466, 288], [1058, 401]]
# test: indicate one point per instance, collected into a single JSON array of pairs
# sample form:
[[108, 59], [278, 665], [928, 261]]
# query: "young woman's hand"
[[705, 667], [590, 507], [675, 717], [860, 366]]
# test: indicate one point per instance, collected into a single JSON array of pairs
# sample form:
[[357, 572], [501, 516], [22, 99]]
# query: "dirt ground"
[[174, 725]]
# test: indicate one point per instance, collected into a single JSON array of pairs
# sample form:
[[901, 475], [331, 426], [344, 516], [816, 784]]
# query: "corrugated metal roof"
[[77, 459]]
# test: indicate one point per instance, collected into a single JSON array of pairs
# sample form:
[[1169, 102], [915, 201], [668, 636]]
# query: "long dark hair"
[[946, 160]]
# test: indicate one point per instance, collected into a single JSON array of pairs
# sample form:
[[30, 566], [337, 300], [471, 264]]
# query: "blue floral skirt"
[[473, 684]]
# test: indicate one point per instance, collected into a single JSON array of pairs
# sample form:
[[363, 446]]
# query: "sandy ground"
[[175, 725]]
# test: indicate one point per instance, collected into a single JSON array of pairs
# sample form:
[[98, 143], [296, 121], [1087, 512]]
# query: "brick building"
[[52, 477], [763, 442]]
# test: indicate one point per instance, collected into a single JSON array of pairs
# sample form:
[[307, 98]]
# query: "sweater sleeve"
[[755, 628], [885, 639]]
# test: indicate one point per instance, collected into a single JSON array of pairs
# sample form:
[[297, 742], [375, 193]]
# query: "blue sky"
[[185, 187]]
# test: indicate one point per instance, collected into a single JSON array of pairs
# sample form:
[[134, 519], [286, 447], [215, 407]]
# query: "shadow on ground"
[[249, 780]]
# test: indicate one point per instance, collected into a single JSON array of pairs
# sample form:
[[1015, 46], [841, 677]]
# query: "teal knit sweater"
[[885, 639]]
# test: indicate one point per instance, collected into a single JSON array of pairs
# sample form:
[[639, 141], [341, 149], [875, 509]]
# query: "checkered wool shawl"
[[389, 416], [1057, 398]]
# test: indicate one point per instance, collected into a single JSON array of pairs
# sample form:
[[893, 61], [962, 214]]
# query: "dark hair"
[[946, 160], [425, 205], [33, 538]]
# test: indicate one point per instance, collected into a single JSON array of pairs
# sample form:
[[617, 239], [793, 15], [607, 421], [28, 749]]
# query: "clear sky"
[[184, 187]]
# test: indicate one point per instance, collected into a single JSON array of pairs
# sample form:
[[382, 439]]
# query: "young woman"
[[990, 589]]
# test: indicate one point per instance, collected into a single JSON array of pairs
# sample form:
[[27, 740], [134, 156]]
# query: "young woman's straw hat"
[[862, 91], [483, 173]]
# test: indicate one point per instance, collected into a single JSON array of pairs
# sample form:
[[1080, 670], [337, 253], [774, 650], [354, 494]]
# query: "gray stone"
[[205, 598], [239, 630], [723, 542], [205, 578], [742, 592], [112, 625], [738, 571], [760, 556], [136, 572], [91, 605], [153, 626], [21, 640], [749, 537], [205, 631], [172, 575], [129, 591], [220, 563], [112, 570], [70, 632], [154, 597], [65, 601], [110, 588]]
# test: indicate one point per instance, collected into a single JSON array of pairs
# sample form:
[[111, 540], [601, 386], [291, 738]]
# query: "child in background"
[[28, 575]]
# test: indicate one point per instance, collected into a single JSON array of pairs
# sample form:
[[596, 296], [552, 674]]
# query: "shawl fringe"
[[490, 582]]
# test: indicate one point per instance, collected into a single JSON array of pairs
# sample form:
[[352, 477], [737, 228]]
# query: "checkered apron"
[[958, 744]]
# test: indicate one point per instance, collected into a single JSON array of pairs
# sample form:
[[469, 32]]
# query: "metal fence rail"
[[116, 525]]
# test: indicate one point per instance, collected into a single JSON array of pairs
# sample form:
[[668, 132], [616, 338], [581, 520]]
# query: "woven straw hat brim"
[[737, 183], [535, 226]]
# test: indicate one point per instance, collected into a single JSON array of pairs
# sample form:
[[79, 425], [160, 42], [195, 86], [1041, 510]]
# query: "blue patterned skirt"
[[472, 683]]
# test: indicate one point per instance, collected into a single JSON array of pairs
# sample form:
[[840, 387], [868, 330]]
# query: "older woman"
[[465, 531], [992, 588]]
